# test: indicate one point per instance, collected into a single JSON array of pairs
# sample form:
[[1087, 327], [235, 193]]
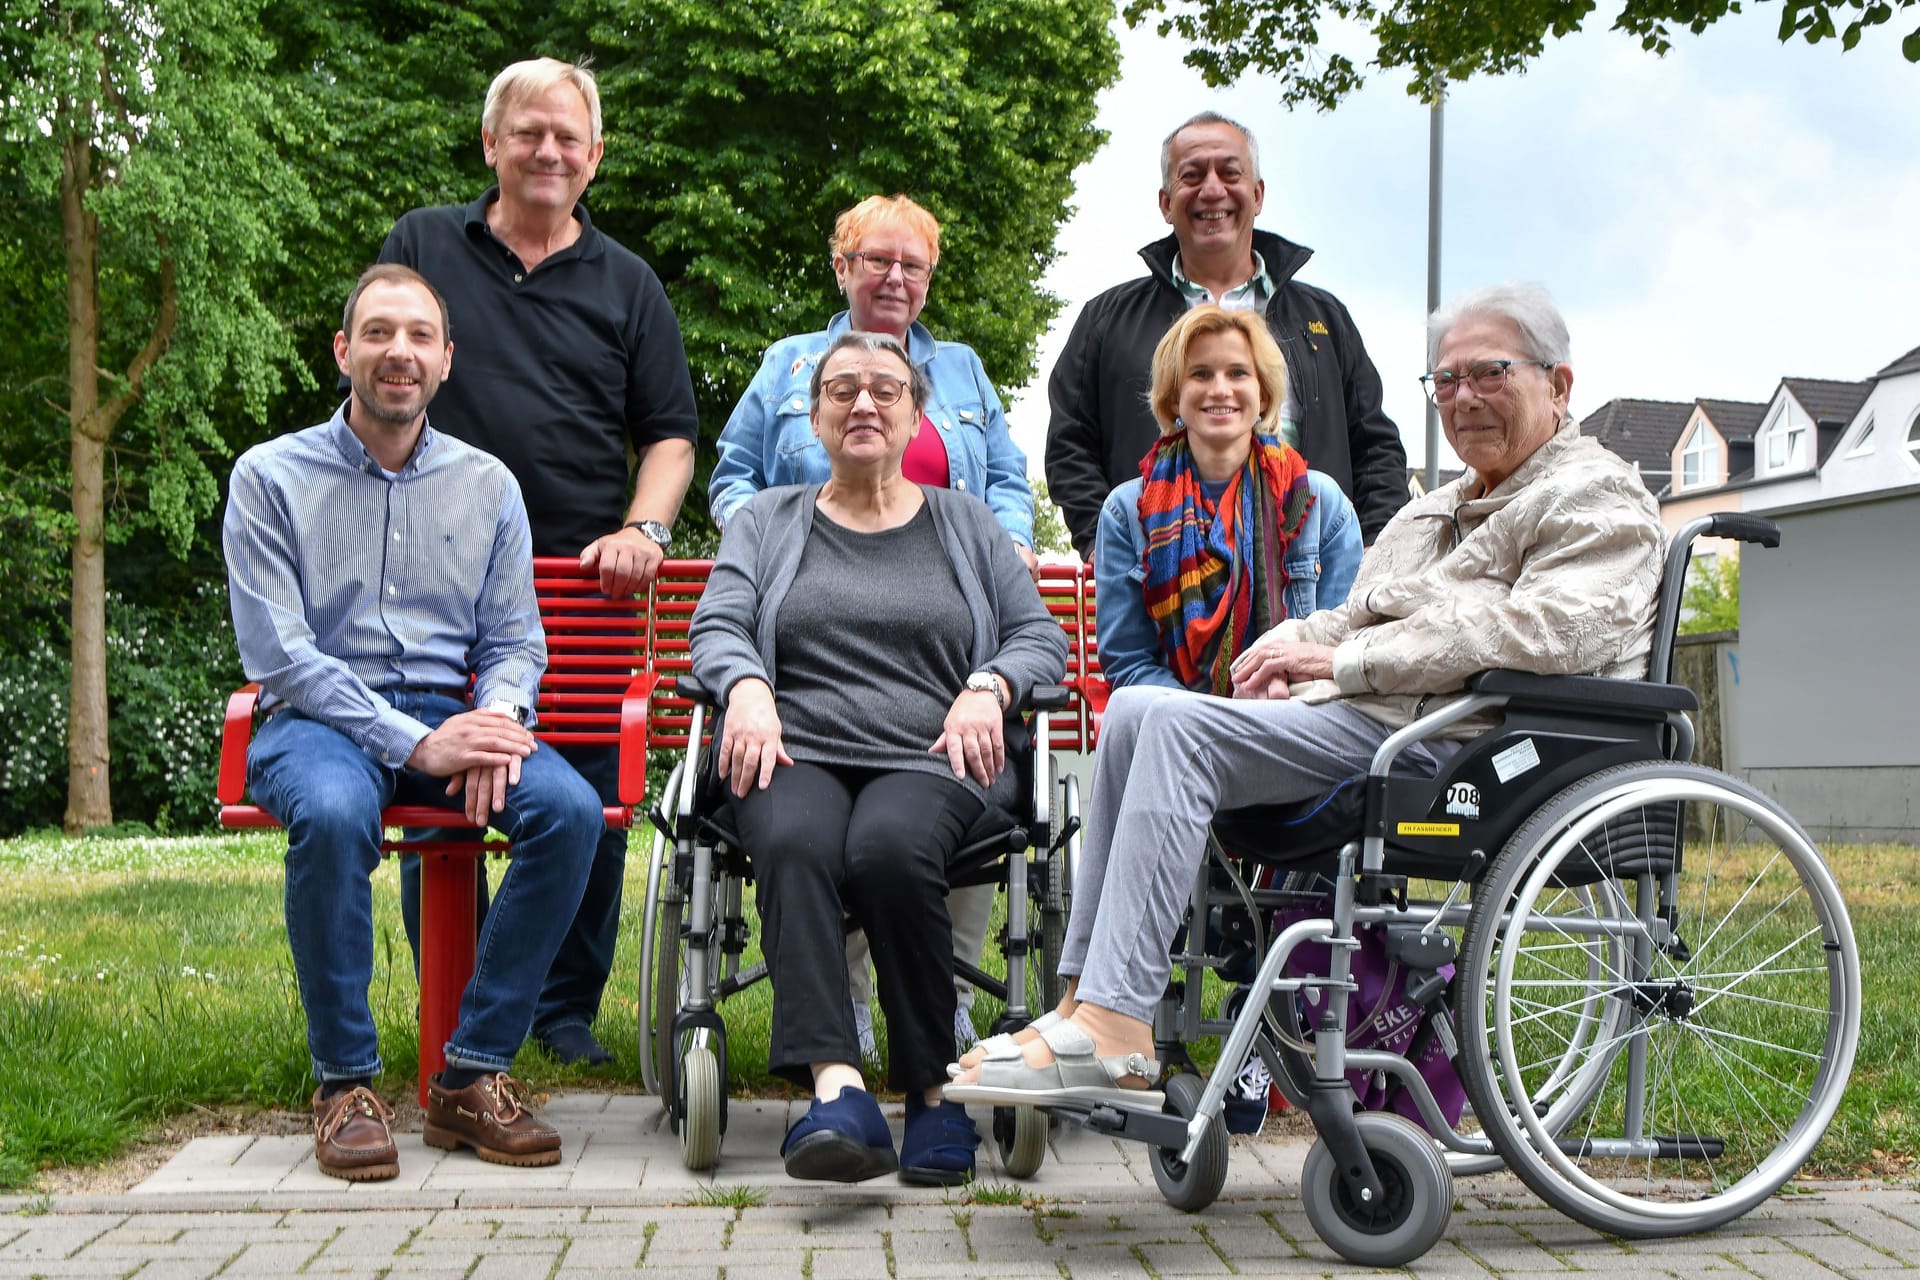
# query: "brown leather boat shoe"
[[350, 1136], [493, 1116]]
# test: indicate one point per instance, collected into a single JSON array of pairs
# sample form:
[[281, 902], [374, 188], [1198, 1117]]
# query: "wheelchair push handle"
[[1743, 528]]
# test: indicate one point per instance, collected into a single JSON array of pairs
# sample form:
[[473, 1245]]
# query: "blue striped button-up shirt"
[[348, 579]]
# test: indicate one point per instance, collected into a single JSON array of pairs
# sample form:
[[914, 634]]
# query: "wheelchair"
[[694, 928], [1642, 969]]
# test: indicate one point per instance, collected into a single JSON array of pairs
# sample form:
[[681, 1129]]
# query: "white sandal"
[[1077, 1076], [1004, 1044]]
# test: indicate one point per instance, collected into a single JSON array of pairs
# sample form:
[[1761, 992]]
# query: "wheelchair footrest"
[[1152, 1127]]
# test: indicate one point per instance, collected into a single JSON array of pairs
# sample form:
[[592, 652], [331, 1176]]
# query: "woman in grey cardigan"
[[868, 638]]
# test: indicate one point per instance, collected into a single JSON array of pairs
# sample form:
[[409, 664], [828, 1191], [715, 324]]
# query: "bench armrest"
[[634, 705], [235, 734]]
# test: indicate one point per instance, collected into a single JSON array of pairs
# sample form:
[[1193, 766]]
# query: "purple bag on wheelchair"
[[1381, 1016]]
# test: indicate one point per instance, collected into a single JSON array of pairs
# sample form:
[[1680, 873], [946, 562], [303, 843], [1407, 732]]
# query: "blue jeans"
[[571, 995], [329, 794]]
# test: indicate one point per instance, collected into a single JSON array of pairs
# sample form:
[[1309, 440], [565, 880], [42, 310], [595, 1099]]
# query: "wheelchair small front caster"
[[1191, 1186], [699, 1103], [1415, 1203], [1021, 1135]]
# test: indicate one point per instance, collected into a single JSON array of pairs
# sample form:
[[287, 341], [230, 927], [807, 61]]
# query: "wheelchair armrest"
[[687, 686], [1595, 695], [1047, 697]]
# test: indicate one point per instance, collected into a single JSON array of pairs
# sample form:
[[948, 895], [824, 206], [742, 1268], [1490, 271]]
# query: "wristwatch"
[[987, 682], [654, 530], [505, 708]]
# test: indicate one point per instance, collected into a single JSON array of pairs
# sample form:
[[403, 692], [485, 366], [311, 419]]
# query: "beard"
[[367, 390]]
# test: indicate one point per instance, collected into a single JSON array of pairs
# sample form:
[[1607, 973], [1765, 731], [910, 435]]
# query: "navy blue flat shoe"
[[845, 1140], [937, 1148]]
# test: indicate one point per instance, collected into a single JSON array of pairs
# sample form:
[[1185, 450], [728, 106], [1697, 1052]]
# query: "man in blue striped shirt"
[[375, 567]]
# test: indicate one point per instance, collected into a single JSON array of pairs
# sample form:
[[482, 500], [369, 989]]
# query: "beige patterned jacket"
[[1557, 571]]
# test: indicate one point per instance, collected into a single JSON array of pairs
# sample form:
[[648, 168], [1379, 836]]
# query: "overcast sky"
[[1710, 221]]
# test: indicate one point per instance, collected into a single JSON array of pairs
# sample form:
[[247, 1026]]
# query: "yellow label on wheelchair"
[[1428, 829]]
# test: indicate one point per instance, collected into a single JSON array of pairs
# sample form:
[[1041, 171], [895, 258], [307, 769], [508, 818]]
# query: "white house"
[[1828, 691]]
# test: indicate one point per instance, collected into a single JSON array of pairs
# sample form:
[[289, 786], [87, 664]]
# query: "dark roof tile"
[[1735, 419], [1829, 400], [1641, 431], [1908, 363]]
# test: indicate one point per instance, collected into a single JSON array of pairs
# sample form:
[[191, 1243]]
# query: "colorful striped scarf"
[[1216, 575]]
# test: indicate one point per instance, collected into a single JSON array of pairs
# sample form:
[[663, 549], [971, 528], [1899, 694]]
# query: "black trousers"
[[828, 842]]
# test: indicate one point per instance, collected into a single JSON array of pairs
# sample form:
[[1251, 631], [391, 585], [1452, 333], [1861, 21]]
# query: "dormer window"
[[1785, 442], [1787, 448], [1700, 458]]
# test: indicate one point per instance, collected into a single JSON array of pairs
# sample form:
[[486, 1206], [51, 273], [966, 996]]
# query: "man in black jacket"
[[1210, 194]]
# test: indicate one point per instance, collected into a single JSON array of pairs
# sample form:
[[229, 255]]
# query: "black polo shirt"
[[556, 369]]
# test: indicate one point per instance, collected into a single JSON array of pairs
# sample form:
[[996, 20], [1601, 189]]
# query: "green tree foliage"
[[1281, 38], [1050, 536], [738, 129], [243, 161], [148, 165], [1711, 601]]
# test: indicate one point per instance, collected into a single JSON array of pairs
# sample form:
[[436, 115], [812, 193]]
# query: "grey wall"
[[1829, 668]]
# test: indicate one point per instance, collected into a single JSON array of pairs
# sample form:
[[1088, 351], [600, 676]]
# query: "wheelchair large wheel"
[[1413, 1211], [1191, 1186], [1566, 1089], [659, 876], [1059, 898], [1738, 982], [698, 1085], [665, 985]]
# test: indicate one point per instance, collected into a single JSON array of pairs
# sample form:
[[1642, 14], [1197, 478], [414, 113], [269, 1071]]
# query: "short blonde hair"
[[530, 79], [853, 226], [1170, 363]]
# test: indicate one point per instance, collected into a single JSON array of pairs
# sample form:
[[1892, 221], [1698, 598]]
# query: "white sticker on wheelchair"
[[1516, 760]]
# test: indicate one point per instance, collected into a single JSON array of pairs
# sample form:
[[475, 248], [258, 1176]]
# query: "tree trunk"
[[89, 794]]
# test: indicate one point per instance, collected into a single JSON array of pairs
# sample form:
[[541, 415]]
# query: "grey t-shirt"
[[872, 648]]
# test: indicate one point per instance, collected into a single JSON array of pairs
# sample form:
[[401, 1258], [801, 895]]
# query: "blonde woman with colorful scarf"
[[1226, 533]]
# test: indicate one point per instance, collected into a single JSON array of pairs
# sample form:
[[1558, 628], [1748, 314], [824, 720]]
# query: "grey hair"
[[1528, 306], [1206, 117], [530, 79], [919, 385]]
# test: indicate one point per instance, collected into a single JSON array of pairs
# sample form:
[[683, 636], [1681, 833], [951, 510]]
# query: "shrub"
[[169, 669]]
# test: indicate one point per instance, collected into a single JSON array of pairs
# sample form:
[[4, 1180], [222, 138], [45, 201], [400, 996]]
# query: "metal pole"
[[1434, 150]]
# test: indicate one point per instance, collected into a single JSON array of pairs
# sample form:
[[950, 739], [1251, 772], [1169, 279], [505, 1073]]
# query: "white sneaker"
[[863, 1027], [1253, 1080], [964, 1036]]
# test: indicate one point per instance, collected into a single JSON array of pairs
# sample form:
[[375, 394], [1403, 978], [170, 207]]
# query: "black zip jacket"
[[1102, 425]]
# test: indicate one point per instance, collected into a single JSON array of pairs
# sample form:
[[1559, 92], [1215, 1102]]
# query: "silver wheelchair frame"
[[1594, 870], [695, 893]]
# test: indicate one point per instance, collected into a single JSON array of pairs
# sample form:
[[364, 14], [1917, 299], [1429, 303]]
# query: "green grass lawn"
[[140, 978]]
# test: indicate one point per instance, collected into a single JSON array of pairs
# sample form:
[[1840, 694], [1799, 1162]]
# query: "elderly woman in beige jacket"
[[1544, 557]]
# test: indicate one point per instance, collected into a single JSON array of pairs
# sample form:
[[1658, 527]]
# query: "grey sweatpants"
[[1167, 761]]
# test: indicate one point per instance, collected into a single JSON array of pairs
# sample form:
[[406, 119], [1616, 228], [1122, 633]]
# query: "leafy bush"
[[169, 670], [1711, 601]]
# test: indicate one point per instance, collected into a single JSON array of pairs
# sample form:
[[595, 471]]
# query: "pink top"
[[925, 461]]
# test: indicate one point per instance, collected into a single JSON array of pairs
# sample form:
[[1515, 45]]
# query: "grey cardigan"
[[732, 631]]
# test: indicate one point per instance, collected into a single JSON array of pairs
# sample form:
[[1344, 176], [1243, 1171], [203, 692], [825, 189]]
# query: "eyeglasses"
[[1487, 377], [886, 392], [878, 264]]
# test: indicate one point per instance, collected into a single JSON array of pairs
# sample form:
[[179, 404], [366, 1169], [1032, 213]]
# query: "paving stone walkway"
[[620, 1204]]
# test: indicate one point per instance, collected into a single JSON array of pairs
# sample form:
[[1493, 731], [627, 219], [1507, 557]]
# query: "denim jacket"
[[769, 439], [1321, 563]]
